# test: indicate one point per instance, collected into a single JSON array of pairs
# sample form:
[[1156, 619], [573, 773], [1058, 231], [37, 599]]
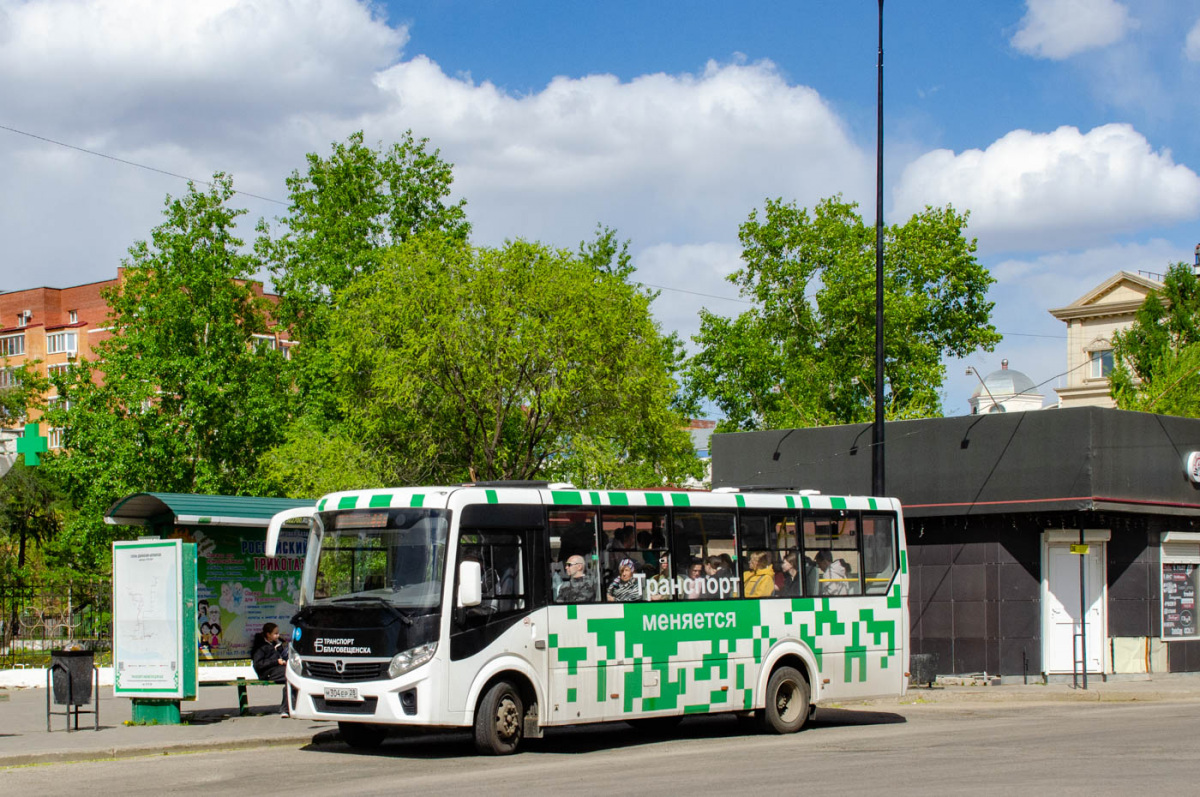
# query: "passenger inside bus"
[[578, 587], [787, 580], [760, 578], [625, 587]]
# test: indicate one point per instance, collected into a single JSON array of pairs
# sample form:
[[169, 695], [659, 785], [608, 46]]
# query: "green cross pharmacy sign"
[[32, 444]]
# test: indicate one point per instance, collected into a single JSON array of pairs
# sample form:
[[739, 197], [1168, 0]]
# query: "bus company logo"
[[344, 646]]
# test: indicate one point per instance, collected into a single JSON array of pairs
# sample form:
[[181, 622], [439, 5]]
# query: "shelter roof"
[[187, 509]]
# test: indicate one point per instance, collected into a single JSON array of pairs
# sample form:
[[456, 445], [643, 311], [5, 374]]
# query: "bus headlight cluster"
[[410, 659], [294, 661]]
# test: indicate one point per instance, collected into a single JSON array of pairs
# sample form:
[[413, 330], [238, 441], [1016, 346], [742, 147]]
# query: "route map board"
[[1179, 586], [154, 610]]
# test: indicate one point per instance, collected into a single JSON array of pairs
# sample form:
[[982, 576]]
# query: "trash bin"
[[922, 668], [73, 674]]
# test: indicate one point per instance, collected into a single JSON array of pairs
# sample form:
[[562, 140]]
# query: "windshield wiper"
[[375, 599]]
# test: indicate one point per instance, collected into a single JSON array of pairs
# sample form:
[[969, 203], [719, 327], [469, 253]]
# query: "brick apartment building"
[[56, 326]]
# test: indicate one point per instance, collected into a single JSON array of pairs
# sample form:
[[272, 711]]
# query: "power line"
[[131, 163]]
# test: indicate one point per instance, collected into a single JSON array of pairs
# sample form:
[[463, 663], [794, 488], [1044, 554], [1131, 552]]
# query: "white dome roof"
[[1005, 382]]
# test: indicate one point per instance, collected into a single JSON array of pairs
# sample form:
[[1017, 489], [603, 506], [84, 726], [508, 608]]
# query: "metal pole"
[[1083, 609], [877, 475]]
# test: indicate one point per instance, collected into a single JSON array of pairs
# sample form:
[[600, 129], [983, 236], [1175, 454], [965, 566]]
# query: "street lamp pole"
[[877, 480]]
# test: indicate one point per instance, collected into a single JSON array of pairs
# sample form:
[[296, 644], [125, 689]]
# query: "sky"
[[1067, 128]]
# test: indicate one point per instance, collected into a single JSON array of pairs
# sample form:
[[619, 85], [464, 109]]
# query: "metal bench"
[[241, 684]]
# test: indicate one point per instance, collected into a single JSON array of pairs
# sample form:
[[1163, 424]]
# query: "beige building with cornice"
[[1091, 322]]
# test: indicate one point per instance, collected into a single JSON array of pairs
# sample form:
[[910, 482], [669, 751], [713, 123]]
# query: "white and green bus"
[[512, 607]]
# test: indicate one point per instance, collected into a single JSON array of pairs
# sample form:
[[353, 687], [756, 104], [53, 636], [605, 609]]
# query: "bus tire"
[[786, 702], [499, 720], [361, 735]]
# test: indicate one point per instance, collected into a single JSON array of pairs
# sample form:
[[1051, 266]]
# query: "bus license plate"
[[343, 693]]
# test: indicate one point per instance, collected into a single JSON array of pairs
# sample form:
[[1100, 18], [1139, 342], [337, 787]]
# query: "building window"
[[1102, 363], [23, 318], [9, 378], [263, 342], [73, 316], [62, 343], [11, 345], [55, 435]]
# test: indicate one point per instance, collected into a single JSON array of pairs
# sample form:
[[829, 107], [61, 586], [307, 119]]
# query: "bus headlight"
[[294, 661], [410, 659]]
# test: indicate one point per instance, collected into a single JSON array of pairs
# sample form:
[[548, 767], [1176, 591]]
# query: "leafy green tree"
[[804, 355], [32, 508], [314, 460], [187, 400], [346, 211], [456, 362], [1156, 361]]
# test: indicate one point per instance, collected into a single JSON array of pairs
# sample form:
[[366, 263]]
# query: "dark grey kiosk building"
[[995, 508]]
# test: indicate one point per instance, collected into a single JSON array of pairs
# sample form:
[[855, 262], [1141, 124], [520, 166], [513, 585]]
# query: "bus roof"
[[566, 495]]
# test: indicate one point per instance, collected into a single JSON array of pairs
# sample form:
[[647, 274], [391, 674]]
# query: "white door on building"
[[1061, 607]]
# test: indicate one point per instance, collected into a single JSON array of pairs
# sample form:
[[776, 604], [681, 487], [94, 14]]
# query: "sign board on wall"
[[239, 588], [1180, 584], [1179, 587], [153, 600]]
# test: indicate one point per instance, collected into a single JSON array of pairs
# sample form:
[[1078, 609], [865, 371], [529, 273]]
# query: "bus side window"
[[831, 565], [708, 538], [573, 563], [879, 552]]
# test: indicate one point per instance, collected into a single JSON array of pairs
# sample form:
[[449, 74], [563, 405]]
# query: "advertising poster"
[[148, 656], [1179, 584], [238, 587]]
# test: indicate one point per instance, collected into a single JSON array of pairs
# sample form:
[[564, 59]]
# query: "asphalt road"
[[1057, 748]]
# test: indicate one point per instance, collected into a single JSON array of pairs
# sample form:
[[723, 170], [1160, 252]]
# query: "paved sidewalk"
[[213, 723]]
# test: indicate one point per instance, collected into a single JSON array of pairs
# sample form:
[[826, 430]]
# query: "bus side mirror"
[[470, 584]]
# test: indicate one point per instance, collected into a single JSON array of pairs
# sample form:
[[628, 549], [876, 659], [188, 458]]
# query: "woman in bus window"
[[787, 580], [625, 587], [760, 578]]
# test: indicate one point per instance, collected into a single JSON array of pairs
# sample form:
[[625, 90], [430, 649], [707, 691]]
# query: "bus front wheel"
[[361, 736], [786, 702], [498, 722]]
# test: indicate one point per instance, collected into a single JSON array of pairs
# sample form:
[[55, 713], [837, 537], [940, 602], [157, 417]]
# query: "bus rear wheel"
[[362, 736], [787, 702], [498, 721]]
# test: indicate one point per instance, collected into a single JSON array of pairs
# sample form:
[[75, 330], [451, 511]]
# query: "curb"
[[144, 750]]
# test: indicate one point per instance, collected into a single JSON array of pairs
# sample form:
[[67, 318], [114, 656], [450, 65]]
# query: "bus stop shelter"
[[238, 587]]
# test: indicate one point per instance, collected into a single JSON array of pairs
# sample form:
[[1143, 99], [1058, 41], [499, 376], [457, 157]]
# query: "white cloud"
[[664, 157], [1191, 48], [1049, 190], [1059, 29], [250, 87]]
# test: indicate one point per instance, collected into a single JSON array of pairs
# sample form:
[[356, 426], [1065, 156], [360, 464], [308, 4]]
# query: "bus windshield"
[[396, 556]]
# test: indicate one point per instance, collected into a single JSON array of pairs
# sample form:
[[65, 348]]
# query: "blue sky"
[[1066, 127]]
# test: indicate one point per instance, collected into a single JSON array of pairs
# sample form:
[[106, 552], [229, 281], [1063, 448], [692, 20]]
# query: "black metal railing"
[[36, 619]]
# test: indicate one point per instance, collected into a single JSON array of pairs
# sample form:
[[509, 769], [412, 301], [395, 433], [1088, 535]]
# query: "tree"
[[31, 513], [346, 211], [458, 362], [1156, 361], [804, 354], [187, 401]]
